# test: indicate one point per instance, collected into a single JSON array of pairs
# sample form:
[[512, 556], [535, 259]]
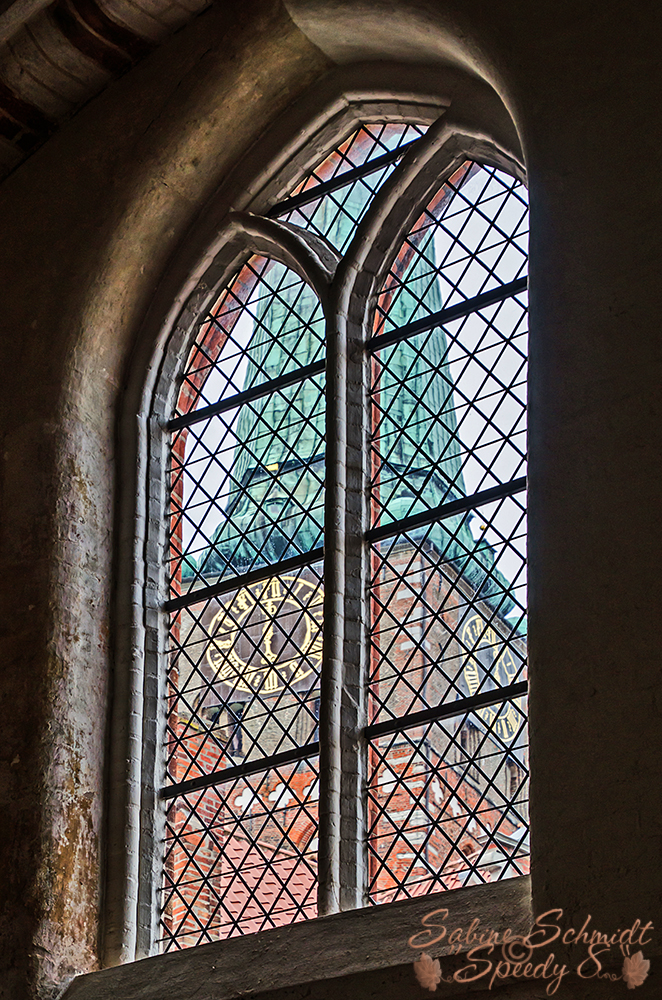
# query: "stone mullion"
[[357, 612], [342, 757], [328, 895]]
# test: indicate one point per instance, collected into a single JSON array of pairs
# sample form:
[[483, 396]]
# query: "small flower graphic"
[[635, 970], [428, 972]]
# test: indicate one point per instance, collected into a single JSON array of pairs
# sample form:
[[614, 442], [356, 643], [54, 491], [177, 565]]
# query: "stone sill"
[[326, 948]]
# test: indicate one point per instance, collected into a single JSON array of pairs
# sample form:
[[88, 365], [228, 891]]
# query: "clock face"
[[490, 655], [267, 637]]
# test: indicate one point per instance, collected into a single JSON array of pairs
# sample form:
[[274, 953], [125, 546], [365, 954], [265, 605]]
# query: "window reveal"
[[443, 739]]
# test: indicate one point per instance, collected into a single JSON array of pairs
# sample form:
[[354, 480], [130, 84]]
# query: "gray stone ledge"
[[340, 945]]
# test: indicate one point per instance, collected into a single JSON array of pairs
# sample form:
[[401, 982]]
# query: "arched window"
[[346, 680]]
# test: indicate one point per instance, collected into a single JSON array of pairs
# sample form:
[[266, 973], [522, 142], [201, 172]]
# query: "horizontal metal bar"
[[240, 770], [447, 711], [443, 510], [340, 180], [262, 473], [446, 315], [245, 580], [257, 392]]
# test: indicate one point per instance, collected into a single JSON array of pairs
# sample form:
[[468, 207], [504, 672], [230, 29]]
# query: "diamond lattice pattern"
[[447, 622], [336, 215], [246, 493], [241, 856], [448, 804], [244, 675], [448, 800], [247, 483]]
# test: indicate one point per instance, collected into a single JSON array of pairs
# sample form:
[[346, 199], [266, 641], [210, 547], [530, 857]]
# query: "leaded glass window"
[[346, 660]]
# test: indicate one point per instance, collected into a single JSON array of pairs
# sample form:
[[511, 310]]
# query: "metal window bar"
[[242, 770], [341, 180], [459, 506], [447, 711], [232, 402], [237, 582], [443, 316]]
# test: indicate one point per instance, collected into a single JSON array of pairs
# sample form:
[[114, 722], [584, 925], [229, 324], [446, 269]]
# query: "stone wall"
[[98, 240]]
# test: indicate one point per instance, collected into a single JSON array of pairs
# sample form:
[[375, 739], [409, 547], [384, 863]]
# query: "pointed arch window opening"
[[446, 653], [238, 851]]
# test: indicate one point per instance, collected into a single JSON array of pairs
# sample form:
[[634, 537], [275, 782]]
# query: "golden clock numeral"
[[507, 722], [487, 715], [243, 602], [271, 683], [472, 676], [507, 664], [221, 644]]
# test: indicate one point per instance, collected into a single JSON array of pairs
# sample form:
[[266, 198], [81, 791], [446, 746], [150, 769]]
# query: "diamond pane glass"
[[448, 610], [447, 794], [246, 492], [449, 411], [266, 323], [448, 407], [448, 804], [336, 214], [244, 674], [241, 856], [243, 687], [247, 483], [470, 239]]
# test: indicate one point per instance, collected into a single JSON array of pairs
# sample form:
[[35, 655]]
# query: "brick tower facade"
[[452, 812]]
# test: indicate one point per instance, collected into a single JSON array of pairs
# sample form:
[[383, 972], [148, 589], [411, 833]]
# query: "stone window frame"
[[459, 129]]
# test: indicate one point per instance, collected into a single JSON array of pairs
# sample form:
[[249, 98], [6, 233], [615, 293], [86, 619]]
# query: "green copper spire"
[[276, 503], [275, 506]]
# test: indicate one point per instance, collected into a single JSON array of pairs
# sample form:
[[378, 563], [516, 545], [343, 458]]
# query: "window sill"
[[343, 944]]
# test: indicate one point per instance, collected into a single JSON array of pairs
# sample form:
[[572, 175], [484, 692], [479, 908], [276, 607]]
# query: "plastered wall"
[[90, 224]]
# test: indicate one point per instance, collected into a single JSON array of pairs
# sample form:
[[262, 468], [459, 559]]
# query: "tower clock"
[[491, 663], [265, 638]]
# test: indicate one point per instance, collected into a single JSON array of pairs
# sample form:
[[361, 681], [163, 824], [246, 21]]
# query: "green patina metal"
[[275, 508]]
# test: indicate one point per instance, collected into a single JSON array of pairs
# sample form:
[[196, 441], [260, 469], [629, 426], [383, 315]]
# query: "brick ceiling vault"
[[62, 54]]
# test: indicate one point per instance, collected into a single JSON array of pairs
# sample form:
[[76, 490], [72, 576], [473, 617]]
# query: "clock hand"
[[267, 639]]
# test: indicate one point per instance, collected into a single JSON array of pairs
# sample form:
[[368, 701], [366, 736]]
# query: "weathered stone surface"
[[324, 949], [83, 251], [92, 223]]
